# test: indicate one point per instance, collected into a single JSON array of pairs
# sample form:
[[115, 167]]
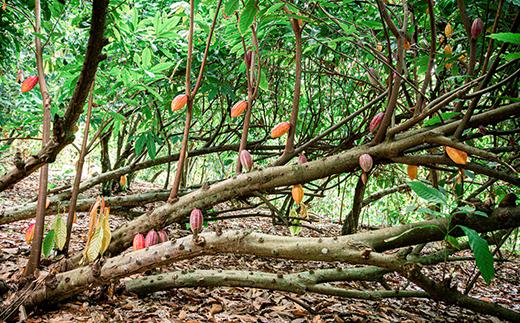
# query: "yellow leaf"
[[458, 156], [94, 247], [105, 225]]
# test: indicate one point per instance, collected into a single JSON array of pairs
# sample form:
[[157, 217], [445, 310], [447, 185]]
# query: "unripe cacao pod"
[[302, 159], [366, 162], [412, 171], [138, 242], [373, 77], [379, 47], [249, 56], [179, 102], [364, 178], [196, 221], [122, 181], [280, 129], [476, 28], [297, 193], [163, 236], [29, 83], [458, 156], [152, 238], [238, 108], [448, 30], [376, 121], [246, 160], [448, 50], [29, 233]]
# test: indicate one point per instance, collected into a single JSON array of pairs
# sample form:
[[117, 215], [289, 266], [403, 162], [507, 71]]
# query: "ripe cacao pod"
[[412, 171], [29, 83], [138, 242], [366, 162], [238, 108], [448, 50], [458, 156], [246, 160], [122, 181], [302, 159], [280, 129], [297, 193], [376, 121], [151, 239], [179, 102], [196, 221], [448, 30], [163, 236], [29, 233], [476, 28]]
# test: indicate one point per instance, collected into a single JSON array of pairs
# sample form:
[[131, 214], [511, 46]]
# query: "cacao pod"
[[448, 66], [458, 156], [376, 121], [138, 242], [476, 28], [122, 181], [407, 45], [373, 77], [29, 233], [412, 171], [448, 30], [179, 102], [280, 129], [302, 159], [238, 108], [366, 162], [152, 238], [379, 47], [364, 178], [448, 50], [196, 221], [249, 56], [163, 236], [29, 83], [246, 160], [297, 193], [482, 129]]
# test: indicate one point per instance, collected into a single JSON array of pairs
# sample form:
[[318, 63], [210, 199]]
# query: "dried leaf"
[[458, 156]]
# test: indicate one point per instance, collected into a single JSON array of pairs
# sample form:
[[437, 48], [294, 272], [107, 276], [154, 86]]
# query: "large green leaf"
[[513, 38], [230, 7], [483, 256], [427, 192], [60, 229], [247, 15], [48, 244]]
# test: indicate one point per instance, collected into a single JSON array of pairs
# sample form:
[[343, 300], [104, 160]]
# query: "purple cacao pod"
[[476, 28], [366, 162], [376, 121], [249, 56], [246, 160], [163, 236], [151, 239], [302, 159], [196, 221]]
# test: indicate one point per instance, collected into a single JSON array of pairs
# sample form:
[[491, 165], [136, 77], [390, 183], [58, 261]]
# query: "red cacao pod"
[[280, 129], [238, 108], [376, 121], [246, 160], [29, 83], [29, 233], [179, 102], [151, 239], [476, 28], [196, 221], [163, 236], [138, 242], [302, 159], [366, 162]]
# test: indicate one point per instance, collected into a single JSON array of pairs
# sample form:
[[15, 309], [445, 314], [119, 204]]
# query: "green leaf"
[[294, 229], [146, 57], [230, 7], [150, 145], [513, 38], [427, 192], [247, 16], [94, 247], [483, 256], [48, 244], [437, 120], [452, 241], [60, 229]]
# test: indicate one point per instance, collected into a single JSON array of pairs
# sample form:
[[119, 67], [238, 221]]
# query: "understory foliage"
[[374, 113]]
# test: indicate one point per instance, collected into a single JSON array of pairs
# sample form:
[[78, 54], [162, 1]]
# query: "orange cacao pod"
[[151, 239], [376, 121], [366, 162], [246, 160], [29, 233], [29, 83], [238, 108], [179, 102], [297, 193], [196, 219], [280, 129], [476, 28], [412, 171], [138, 242]]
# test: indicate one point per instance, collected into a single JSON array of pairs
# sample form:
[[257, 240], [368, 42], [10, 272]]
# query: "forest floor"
[[246, 304]]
